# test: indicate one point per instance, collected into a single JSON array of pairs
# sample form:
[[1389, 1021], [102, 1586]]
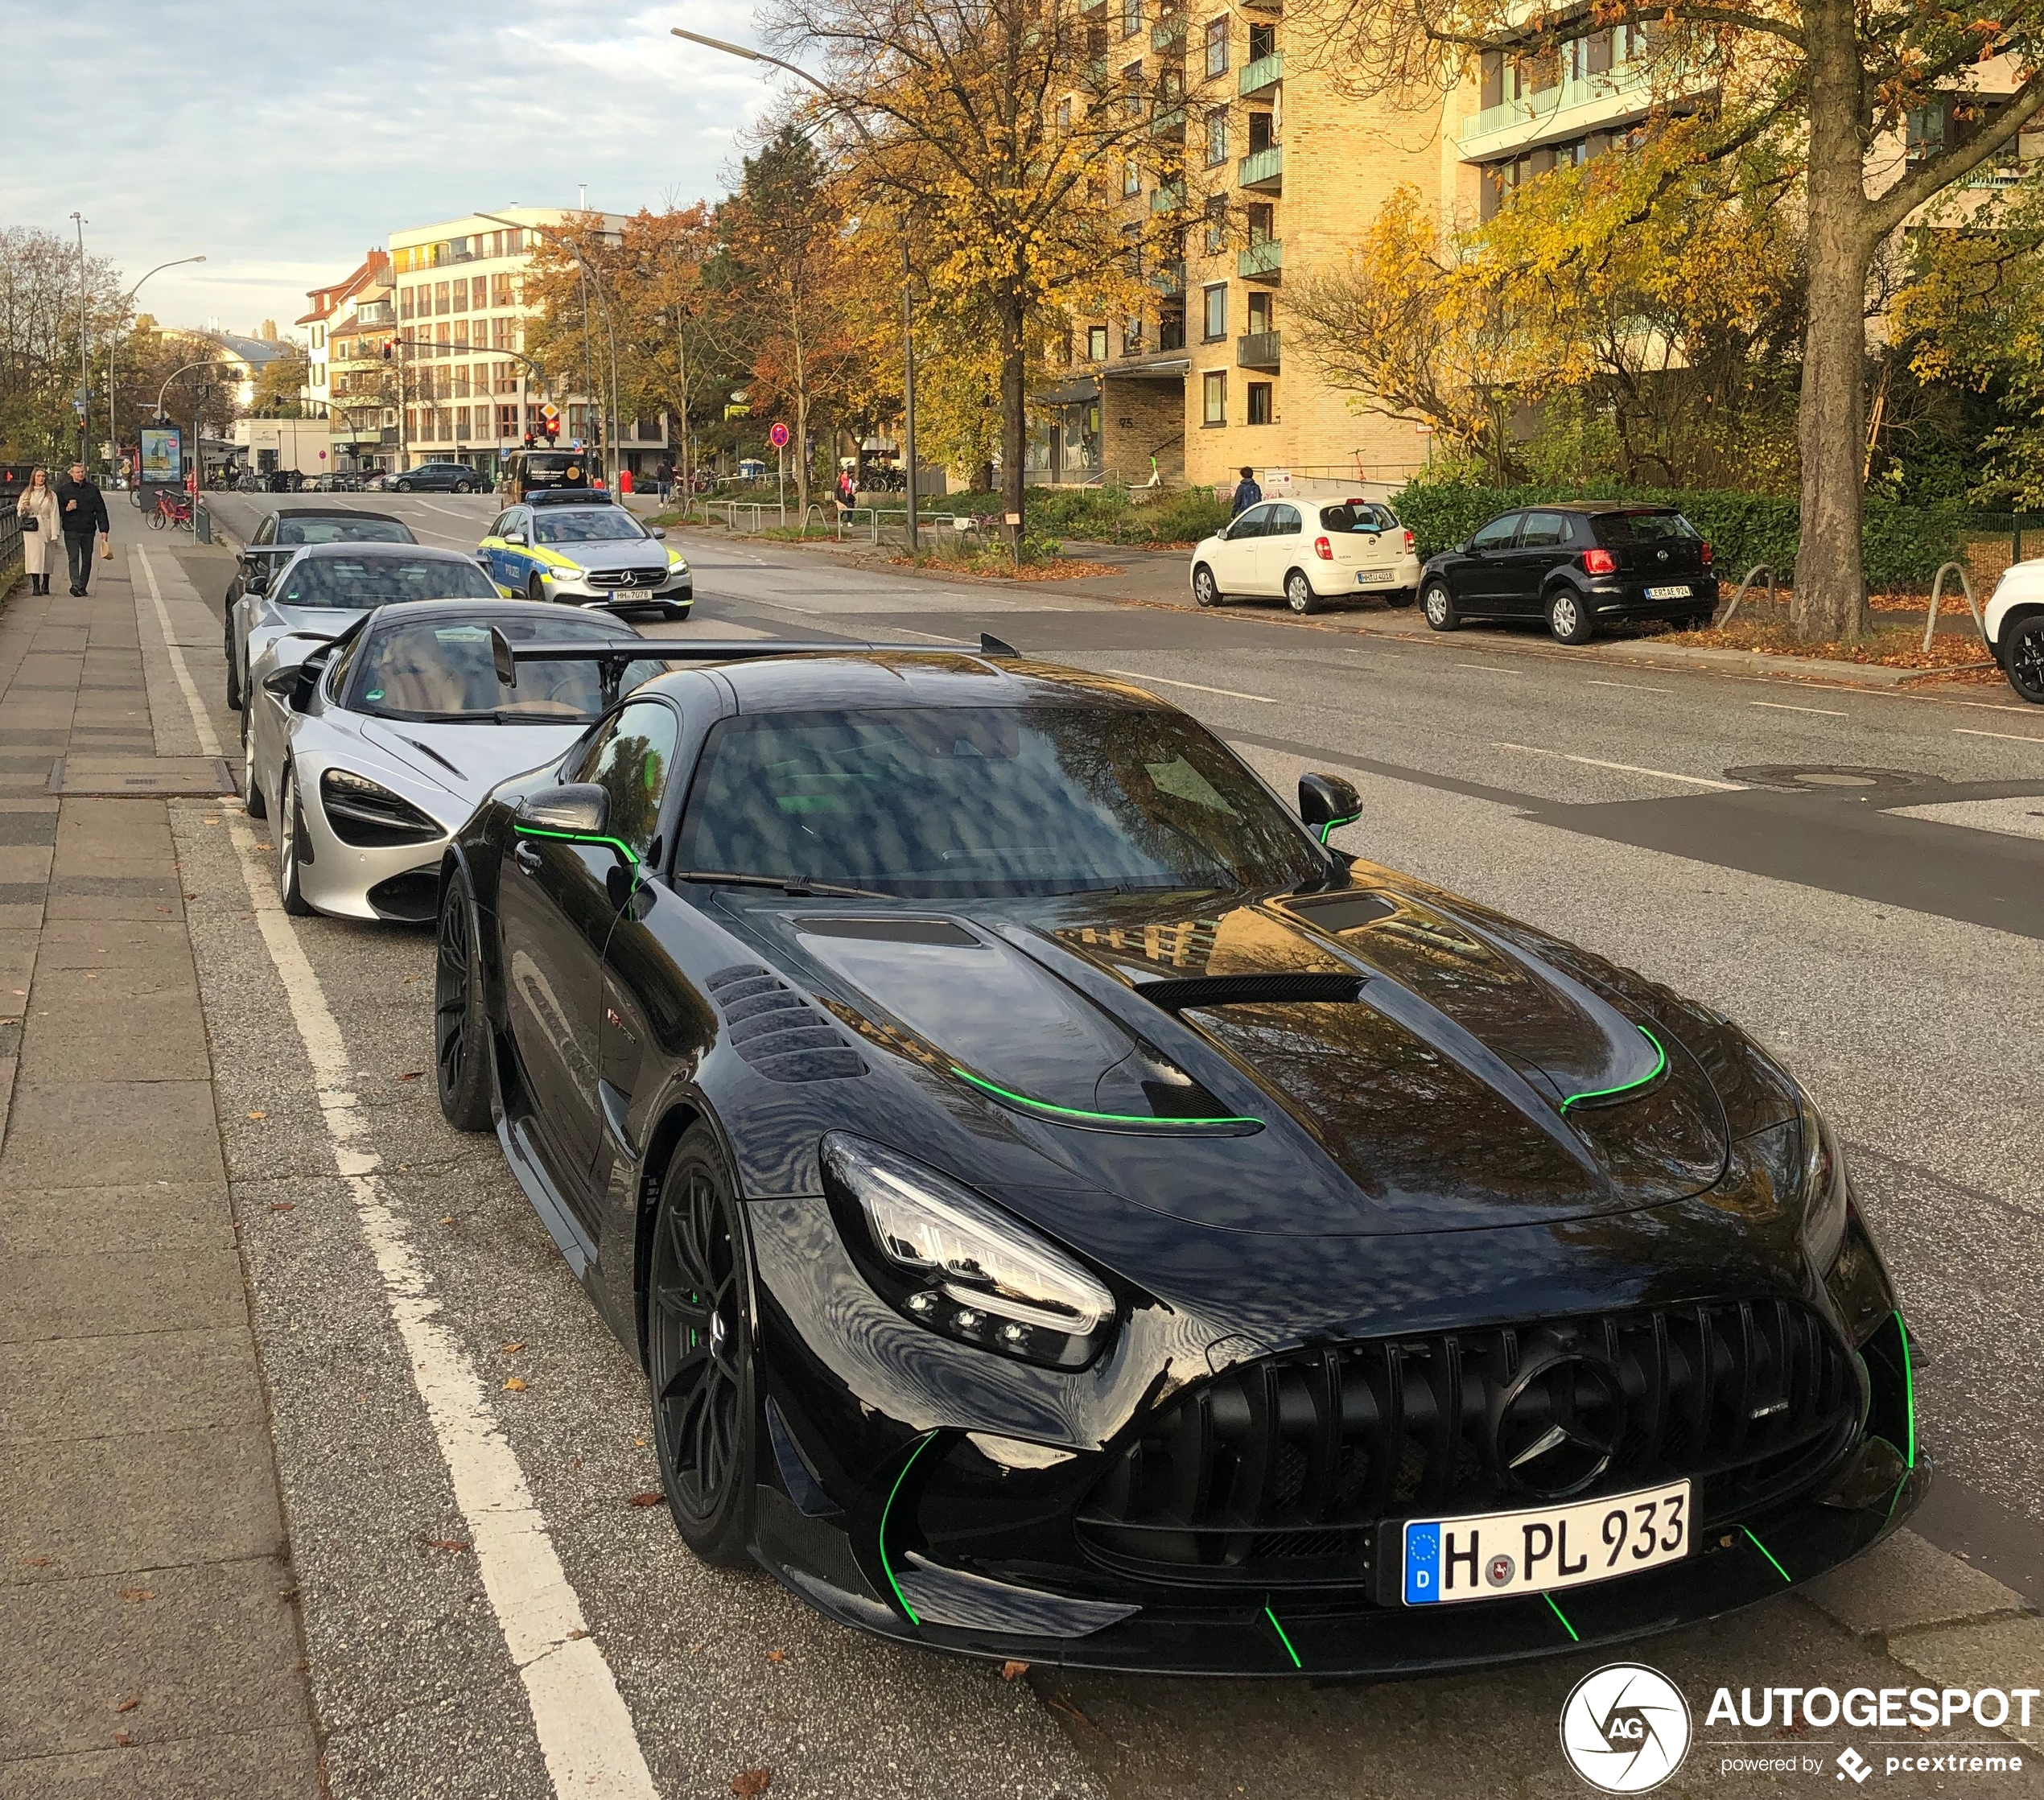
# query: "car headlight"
[[1822, 1184], [945, 1258], [367, 816], [677, 563]]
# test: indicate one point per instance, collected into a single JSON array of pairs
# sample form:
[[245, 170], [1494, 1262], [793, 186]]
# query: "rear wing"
[[614, 654]]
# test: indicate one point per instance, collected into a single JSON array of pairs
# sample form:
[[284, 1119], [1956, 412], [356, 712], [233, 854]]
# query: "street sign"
[[778, 437], [549, 411]]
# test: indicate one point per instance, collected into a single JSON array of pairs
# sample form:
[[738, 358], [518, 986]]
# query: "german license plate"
[[1680, 591], [1492, 1556], [1366, 578]]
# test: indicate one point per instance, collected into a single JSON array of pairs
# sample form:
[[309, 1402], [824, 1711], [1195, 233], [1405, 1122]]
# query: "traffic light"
[[528, 440], [553, 426]]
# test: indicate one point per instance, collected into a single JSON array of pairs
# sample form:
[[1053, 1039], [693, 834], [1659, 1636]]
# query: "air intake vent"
[[1248, 990], [778, 1032], [880, 930]]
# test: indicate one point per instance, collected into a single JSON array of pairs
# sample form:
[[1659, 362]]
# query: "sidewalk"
[[149, 1643]]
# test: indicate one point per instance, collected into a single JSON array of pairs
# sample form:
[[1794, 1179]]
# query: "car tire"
[[1569, 618], [700, 1361], [2023, 660], [233, 673], [1206, 591], [461, 1038], [289, 828], [1401, 600], [536, 591], [1299, 593], [463, 487], [402, 486], [251, 800], [1439, 605]]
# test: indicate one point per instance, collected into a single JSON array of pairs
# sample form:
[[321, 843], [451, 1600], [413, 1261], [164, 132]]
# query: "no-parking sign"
[[778, 437]]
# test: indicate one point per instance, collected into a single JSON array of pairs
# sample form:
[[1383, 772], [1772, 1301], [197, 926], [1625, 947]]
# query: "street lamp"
[[198, 421], [908, 304], [85, 362], [113, 424]]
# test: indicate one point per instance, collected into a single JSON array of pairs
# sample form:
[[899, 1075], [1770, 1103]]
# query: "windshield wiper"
[[787, 883]]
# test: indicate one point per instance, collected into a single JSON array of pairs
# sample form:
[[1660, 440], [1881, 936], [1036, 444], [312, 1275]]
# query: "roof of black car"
[[336, 512], [912, 676], [1596, 506], [376, 547], [576, 624]]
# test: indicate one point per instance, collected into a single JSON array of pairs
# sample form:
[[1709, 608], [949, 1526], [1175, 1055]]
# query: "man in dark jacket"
[[1247, 493], [82, 509]]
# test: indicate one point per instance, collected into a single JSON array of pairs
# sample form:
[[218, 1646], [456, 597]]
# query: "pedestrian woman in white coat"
[[38, 508]]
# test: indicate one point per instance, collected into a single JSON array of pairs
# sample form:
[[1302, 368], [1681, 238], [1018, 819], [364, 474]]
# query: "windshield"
[[1643, 528], [359, 583], [958, 801], [441, 669], [342, 531], [585, 524], [1358, 515]]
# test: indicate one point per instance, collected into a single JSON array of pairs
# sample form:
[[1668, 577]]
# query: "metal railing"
[[1265, 71], [1740, 594], [1262, 168], [1267, 258], [1540, 109], [1257, 350]]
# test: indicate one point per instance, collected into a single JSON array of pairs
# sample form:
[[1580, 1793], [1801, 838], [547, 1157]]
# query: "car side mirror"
[[659, 531], [294, 685], [578, 810], [1326, 801], [256, 581]]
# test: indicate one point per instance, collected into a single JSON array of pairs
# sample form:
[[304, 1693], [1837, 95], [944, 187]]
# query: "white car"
[[1307, 553], [2014, 622]]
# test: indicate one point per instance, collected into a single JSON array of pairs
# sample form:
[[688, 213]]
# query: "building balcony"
[[1570, 109], [1170, 124], [1262, 75], [1264, 170], [1170, 280], [1169, 198], [1167, 34], [1257, 350], [1262, 262]]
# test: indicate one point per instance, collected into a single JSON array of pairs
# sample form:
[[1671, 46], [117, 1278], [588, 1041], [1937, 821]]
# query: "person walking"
[[1247, 493], [38, 509], [82, 507]]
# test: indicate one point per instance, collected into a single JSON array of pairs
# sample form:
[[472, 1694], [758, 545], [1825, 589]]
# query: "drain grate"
[[141, 778], [1828, 778]]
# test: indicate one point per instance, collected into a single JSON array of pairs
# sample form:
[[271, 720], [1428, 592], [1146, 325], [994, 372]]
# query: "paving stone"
[[1904, 1584], [149, 1215], [2006, 1652], [85, 1134], [104, 1387], [81, 1026], [253, 1765], [101, 1294]]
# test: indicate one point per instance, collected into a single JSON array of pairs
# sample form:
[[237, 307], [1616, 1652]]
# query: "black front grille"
[[1281, 1470]]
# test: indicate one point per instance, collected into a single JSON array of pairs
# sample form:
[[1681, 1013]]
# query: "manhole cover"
[[1818, 775], [140, 777]]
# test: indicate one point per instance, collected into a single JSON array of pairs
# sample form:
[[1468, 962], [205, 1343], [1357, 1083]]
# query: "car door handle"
[[526, 856]]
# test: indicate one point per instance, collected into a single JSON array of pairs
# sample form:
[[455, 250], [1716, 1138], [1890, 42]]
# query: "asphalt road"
[[1856, 877]]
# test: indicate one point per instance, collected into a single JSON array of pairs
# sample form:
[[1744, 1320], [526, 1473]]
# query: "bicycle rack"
[[1937, 597], [1746, 581]]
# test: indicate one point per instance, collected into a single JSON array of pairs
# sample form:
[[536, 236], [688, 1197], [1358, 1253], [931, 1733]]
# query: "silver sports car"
[[367, 755]]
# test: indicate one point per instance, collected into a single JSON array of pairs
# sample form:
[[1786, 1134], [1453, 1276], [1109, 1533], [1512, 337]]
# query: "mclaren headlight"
[[368, 816], [948, 1259]]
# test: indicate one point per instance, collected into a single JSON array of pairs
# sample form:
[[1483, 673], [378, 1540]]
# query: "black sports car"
[[1068, 1212]]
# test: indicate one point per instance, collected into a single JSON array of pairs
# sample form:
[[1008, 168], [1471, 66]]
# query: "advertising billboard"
[[161, 457]]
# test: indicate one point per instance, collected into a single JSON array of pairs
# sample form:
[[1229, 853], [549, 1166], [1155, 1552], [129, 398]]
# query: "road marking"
[[1783, 706], [2006, 737], [1628, 769], [1637, 687], [466, 518], [583, 1728], [1228, 693], [1490, 668]]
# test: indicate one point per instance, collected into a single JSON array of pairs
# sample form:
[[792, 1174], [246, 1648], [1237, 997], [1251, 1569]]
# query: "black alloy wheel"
[[290, 829], [1439, 606], [1206, 591], [699, 1352], [1568, 619], [233, 673], [251, 800], [460, 1025], [2026, 663], [1299, 593]]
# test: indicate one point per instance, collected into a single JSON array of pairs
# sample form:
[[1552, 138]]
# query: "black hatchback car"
[[1578, 565]]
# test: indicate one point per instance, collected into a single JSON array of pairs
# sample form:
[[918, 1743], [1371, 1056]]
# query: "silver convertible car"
[[368, 754]]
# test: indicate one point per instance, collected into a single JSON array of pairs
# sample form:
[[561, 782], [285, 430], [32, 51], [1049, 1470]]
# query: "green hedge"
[[1903, 545]]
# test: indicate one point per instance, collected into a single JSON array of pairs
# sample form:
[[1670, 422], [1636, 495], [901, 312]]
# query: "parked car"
[[436, 478], [277, 538], [1066, 1211], [371, 751], [581, 548], [1307, 553], [1578, 565], [2014, 623]]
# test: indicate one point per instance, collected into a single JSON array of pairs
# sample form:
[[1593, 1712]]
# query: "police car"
[[578, 546]]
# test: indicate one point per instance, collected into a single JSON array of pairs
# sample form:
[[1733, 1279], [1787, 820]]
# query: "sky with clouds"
[[282, 139]]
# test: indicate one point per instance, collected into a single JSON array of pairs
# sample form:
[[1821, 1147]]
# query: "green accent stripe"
[[1769, 1553], [1282, 1638], [1564, 1617], [1336, 825], [1660, 1063], [1076, 1112], [886, 1567], [1909, 1387], [617, 844]]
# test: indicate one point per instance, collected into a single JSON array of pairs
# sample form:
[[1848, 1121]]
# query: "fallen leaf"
[[446, 1218], [283, 1206], [516, 1384], [509, 1349], [37, 1561], [639, 1442], [749, 1784], [1010, 1671], [652, 1499], [123, 1739], [258, 1115], [411, 1075], [447, 1543], [137, 1594], [578, 1632], [776, 1656], [129, 1704]]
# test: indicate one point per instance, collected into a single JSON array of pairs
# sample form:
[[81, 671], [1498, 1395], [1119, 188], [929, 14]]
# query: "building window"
[[1064, 115], [1096, 343], [461, 294], [318, 375], [1214, 314], [440, 302], [1217, 136], [1216, 224], [507, 422], [1216, 46], [1260, 133], [1215, 411], [1132, 338], [1131, 179], [499, 290], [404, 303], [479, 291], [1131, 17], [461, 417], [1260, 402], [1262, 222], [460, 391]]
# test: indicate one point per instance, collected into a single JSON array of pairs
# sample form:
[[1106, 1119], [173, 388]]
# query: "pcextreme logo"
[[1625, 1728]]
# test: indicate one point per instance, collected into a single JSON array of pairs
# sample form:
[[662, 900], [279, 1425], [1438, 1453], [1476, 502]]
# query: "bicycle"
[[171, 509]]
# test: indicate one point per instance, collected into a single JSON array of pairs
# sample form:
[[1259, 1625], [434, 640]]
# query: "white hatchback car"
[[2014, 622], [1307, 553]]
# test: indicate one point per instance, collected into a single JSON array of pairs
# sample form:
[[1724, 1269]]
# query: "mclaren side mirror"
[[1326, 801], [296, 685], [578, 809], [256, 580]]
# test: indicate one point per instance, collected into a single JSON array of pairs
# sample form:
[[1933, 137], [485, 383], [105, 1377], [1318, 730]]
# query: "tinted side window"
[[1252, 524], [1284, 520], [266, 532], [1497, 534], [631, 758], [1543, 531]]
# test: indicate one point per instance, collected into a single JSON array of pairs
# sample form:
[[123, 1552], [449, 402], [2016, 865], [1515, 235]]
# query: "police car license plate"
[[1680, 591], [1491, 1555], [1366, 578]]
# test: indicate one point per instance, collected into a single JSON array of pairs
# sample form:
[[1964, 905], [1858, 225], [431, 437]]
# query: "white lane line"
[[1627, 769], [1228, 693], [466, 518], [2006, 737], [209, 739], [1490, 668], [584, 1730], [1637, 687], [1783, 706]]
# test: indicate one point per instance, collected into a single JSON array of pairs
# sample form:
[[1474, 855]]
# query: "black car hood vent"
[[1248, 990], [777, 1031], [879, 929]]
